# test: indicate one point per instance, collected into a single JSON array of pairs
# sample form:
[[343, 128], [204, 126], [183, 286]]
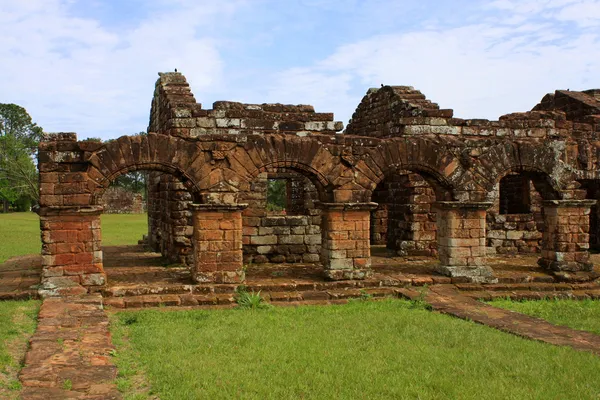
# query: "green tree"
[[277, 195], [19, 138]]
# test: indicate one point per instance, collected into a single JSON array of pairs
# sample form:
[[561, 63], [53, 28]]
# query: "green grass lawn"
[[20, 232], [576, 314], [19, 235], [364, 350], [18, 321], [120, 229]]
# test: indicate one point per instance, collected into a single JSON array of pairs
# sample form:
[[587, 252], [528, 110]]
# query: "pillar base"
[[345, 248], [567, 266], [477, 274], [217, 243], [347, 274], [219, 277]]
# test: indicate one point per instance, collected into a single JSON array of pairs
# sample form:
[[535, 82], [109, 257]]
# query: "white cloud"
[[76, 73], [73, 74], [503, 64]]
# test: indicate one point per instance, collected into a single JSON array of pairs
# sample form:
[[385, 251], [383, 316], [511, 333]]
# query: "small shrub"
[[130, 319], [250, 300], [420, 302]]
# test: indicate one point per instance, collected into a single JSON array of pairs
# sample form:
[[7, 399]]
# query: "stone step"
[[534, 295], [142, 289], [20, 295], [229, 299], [530, 287]]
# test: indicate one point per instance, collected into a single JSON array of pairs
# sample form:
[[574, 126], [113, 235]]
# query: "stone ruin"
[[118, 200], [404, 173]]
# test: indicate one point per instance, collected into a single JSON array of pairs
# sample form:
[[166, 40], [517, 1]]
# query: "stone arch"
[[540, 163], [306, 156], [153, 152], [150, 167], [318, 179], [433, 161]]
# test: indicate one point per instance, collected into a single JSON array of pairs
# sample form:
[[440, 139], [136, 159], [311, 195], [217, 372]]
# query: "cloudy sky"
[[89, 66]]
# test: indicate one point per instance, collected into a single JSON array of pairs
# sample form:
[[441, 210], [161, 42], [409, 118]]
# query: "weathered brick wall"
[[345, 250], [513, 233], [566, 237], [405, 217], [292, 236], [393, 111], [117, 200], [214, 156], [170, 226], [578, 106], [218, 245], [175, 112]]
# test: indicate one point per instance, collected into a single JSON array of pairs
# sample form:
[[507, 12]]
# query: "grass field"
[[576, 314], [20, 235], [363, 350], [20, 232], [18, 320]]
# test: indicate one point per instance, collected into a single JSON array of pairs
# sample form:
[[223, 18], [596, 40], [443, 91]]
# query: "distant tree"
[[277, 195], [19, 138], [134, 181]]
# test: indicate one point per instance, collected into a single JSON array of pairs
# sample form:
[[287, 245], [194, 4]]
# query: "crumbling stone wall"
[[405, 207], [170, 226], [118, 200], [212, 157], [509, 231], [293, 235]]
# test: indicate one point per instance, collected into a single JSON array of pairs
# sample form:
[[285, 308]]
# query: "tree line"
[[19, 179]]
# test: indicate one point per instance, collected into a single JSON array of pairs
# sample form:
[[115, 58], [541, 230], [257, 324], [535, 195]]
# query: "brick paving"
[[447, 300], [69, 354]]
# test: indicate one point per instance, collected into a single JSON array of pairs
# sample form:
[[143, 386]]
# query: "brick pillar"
[[71, 252], [566, 238], [345, 248], [217, 242], [461, 240]]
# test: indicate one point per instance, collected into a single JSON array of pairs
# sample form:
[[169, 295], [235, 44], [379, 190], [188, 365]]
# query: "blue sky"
[[90, 66]]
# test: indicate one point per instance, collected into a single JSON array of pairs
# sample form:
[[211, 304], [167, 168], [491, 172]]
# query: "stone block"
[[263, 240]]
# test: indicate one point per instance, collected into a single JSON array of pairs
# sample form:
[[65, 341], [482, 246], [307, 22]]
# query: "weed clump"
[[252, 300]]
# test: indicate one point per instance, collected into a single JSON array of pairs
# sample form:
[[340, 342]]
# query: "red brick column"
[[566, 238], [461, 240], [71, 252], [217, 243], [345, 248]]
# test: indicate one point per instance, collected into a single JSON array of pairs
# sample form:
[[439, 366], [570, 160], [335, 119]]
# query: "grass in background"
[[19, 235], [576, 314], [20, 232], [18, 321], [120, 229], [363, 350]]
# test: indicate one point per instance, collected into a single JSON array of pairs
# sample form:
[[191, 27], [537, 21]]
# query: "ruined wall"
[[405, 216], [117, 200], [293, 235], [212, 157], [267, 238], [515, 221], [393, 111], [170, 226]]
